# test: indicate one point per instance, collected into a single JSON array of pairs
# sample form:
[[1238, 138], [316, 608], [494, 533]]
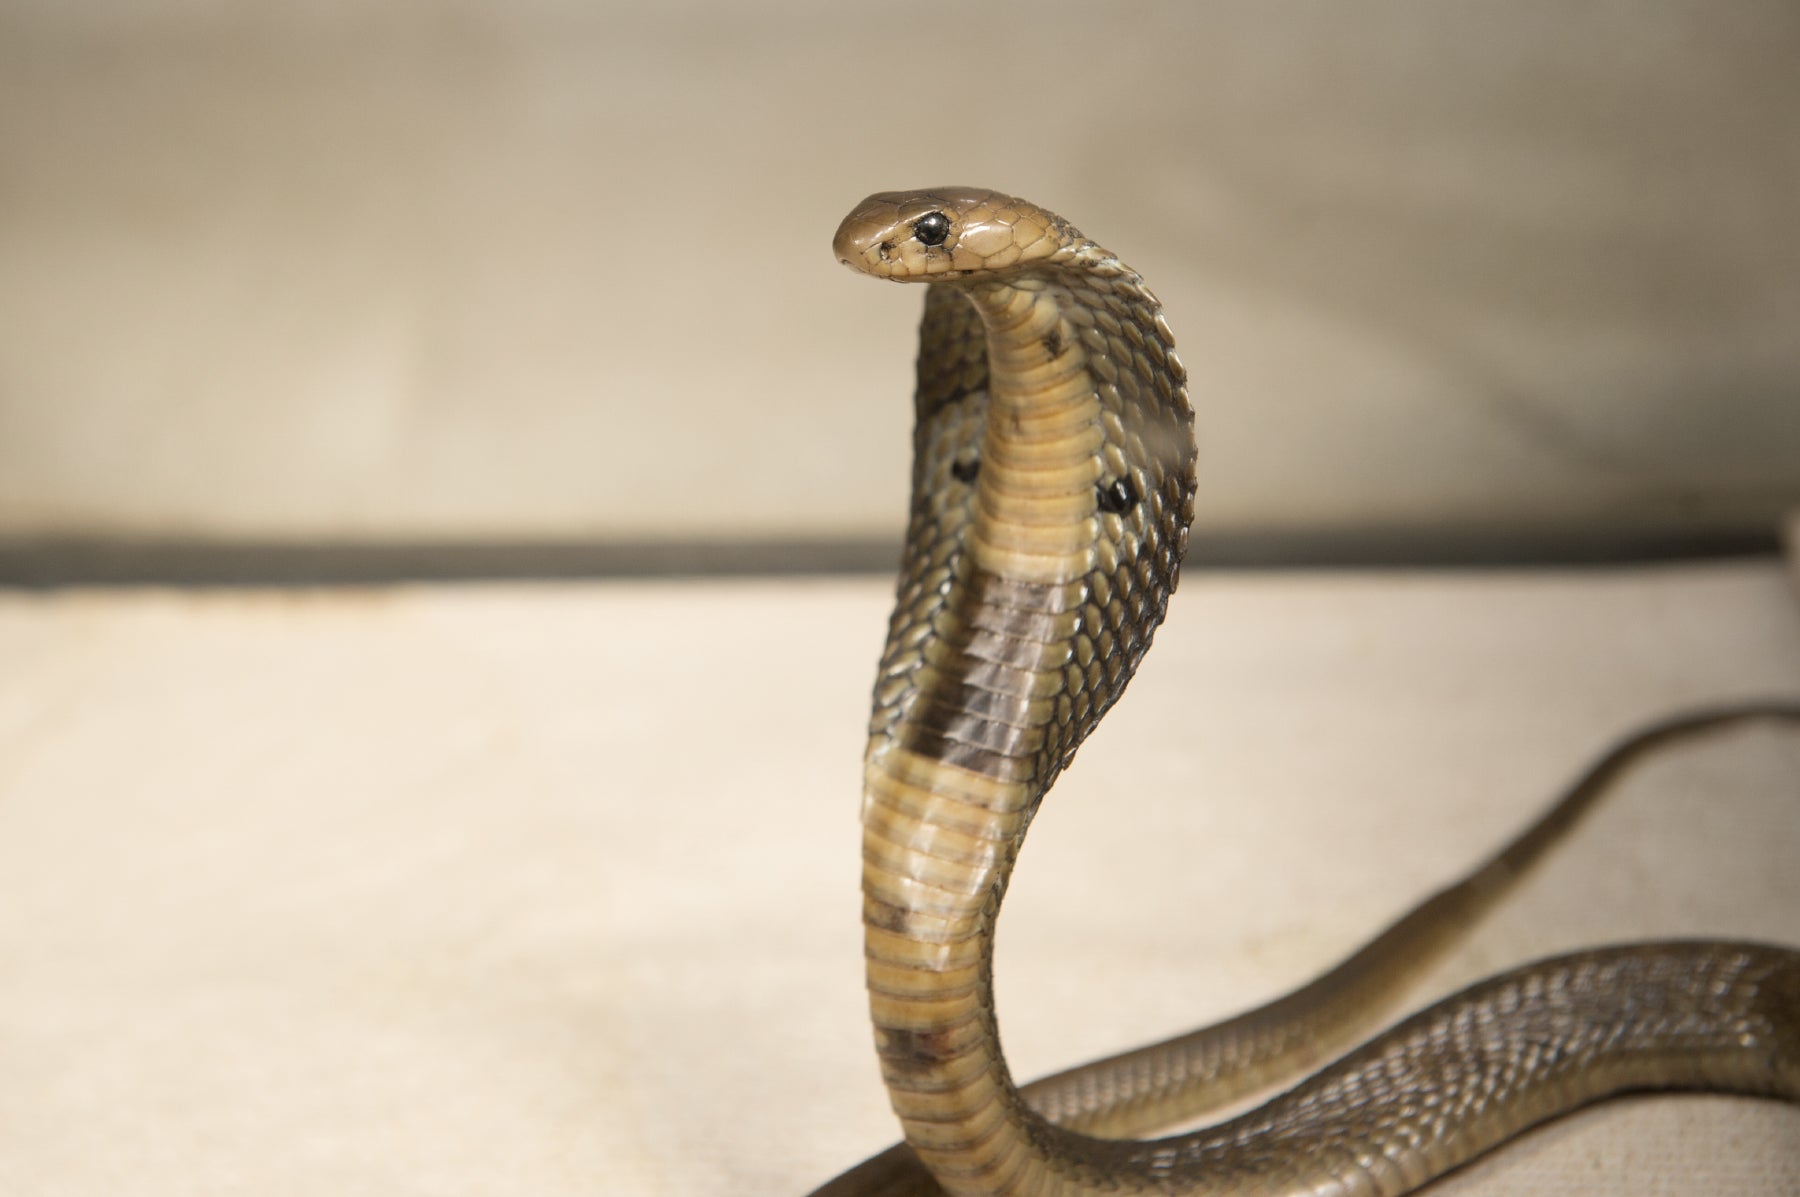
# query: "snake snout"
[[858, 245]]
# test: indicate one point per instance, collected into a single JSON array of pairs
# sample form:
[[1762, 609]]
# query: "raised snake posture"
[[1053, 486], [1052, 494]]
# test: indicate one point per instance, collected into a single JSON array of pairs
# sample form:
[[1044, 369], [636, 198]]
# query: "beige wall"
[[554, 270]]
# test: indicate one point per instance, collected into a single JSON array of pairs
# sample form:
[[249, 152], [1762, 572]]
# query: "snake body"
[[1053, 485]]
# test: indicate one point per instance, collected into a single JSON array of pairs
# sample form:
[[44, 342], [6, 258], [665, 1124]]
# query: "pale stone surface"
[[409, 269], [552, 889]]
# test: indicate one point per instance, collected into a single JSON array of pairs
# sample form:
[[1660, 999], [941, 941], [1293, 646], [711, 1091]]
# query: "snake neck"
[[1027, 596]]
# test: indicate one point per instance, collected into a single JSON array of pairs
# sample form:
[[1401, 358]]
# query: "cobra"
[[1053, 486]]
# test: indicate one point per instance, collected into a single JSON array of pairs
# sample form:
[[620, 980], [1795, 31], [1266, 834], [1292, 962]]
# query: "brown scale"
[[1031, 585], [1147, 444]]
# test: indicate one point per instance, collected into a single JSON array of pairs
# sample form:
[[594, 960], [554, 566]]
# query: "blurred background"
[[325, 286]]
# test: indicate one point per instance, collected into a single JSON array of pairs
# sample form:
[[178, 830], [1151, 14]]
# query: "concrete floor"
[[553, 889]]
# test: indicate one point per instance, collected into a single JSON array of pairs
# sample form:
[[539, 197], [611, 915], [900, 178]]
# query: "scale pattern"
[[1053, 487]]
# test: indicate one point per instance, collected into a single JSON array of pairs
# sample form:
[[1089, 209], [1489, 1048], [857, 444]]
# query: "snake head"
[[946, 232]]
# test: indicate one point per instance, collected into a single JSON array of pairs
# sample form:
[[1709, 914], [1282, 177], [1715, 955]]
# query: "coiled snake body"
[[1053, 485]]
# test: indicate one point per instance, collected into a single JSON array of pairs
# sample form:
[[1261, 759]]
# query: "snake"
[[1053, 485]]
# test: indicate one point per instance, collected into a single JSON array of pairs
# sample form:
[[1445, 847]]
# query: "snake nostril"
[[885, 249]]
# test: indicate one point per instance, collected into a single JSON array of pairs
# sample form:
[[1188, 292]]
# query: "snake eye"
[[932, 228]]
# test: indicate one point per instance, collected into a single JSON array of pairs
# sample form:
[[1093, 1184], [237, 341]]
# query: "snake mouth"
[[874, 253]]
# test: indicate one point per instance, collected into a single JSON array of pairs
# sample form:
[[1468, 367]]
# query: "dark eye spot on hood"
[[1117, 496]]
